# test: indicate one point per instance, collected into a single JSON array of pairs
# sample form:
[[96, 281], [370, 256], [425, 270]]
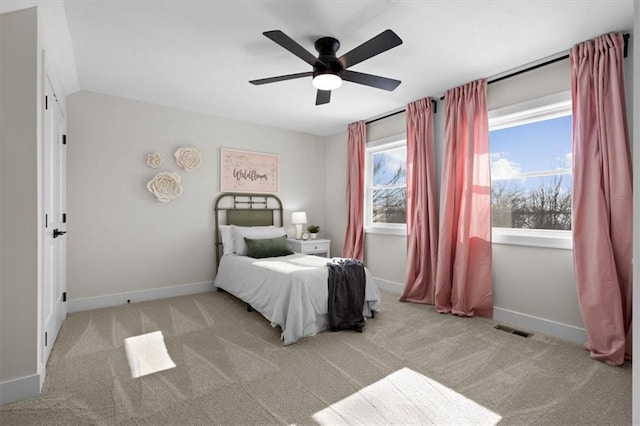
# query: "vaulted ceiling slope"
[[200, 55]]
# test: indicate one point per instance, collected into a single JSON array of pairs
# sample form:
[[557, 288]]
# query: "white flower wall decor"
[[154, 160], [165, 186], [188, 158]]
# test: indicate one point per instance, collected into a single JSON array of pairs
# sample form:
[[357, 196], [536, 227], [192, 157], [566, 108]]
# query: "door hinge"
[[64, 296], [45, 338], [64, 139], [64, 218]]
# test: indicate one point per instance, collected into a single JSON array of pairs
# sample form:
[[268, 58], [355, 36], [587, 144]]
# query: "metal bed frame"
[[245, 209]]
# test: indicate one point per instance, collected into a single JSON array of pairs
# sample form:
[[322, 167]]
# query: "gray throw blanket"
[[346, 294]]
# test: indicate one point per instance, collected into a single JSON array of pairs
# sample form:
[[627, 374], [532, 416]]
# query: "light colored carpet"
[[231, 368]]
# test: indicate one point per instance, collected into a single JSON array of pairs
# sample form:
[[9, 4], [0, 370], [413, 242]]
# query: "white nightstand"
[[317, 247]]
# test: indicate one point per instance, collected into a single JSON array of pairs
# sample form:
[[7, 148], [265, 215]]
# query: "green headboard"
[[235, 208]]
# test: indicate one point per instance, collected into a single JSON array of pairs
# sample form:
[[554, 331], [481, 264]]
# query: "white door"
[[53, 293]]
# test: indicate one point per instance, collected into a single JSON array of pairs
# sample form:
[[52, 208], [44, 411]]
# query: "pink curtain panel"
[[602, 197], [463, 273], [354, 236], [422, 211]]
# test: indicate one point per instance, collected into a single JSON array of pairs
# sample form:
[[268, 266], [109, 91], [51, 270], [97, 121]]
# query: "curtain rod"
[[400, 111], [551, 61], [506, 76]]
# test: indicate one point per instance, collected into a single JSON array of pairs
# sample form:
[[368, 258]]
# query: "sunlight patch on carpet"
[[147, 354], [406, 397]]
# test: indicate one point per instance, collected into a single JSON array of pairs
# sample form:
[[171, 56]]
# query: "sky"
[[395, 158], [540, 146]]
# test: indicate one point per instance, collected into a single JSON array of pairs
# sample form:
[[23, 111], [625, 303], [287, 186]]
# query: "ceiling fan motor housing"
[[327, 62]]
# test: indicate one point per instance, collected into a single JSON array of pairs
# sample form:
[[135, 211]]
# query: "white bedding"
[[290, 291]]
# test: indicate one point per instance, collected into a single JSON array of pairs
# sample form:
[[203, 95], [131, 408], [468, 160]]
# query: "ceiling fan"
[[328, 70]]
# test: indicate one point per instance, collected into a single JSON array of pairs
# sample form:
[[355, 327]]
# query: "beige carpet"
[[232, 369]]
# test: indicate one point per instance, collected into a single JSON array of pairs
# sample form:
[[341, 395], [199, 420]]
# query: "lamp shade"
[[298, 217]]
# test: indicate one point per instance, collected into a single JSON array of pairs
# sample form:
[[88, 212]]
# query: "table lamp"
[[298, 219]]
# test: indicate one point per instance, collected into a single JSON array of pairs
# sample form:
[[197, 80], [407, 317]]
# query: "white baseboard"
[[519, 320], [88, 303], [391, 286], [552, 328], [30, 386], [21, 388]]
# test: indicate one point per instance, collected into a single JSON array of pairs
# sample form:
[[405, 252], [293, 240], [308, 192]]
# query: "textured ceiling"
[[200, 55]]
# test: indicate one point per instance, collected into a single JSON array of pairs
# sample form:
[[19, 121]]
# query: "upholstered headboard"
[[234, 208]]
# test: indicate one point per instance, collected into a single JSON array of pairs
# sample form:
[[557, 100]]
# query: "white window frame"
[[543, 108], [372, 147]]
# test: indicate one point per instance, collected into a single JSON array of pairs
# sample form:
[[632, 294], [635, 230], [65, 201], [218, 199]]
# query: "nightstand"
[[317, 247]]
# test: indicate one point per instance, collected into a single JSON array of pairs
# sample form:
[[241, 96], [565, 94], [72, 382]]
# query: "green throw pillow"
[[267, 247]]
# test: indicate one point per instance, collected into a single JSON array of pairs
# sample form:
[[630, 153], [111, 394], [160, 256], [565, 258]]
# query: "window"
[[531, 179], [386, 186]]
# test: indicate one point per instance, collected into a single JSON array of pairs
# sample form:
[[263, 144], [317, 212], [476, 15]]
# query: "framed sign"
[[243, 171]]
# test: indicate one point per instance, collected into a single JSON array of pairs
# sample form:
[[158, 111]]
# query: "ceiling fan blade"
[[281, 78], [323, 97], [370, 80], [292, 46], [381, 43]]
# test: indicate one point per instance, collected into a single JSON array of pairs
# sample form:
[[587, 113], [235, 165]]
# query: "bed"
[[289, 290]]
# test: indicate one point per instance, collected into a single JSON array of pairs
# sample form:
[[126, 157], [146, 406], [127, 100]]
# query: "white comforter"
[[290, 291]]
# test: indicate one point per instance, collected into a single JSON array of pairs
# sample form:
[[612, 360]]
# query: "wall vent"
[[512, 330]]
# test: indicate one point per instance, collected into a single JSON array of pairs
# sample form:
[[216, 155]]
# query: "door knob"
[[57, 233]]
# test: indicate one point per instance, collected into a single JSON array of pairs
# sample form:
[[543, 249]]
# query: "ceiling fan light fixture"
[[327, 81]]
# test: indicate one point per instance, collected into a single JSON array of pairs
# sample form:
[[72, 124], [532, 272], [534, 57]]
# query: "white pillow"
[[226, 235], [253, 232]]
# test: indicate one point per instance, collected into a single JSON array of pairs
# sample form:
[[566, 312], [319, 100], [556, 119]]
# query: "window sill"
[[533, 238], [384, 230], [507, 236]]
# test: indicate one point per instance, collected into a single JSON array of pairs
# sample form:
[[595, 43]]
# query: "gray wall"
[[385, 255], [533, 287], [20, 89], [121, 239], [335, 175], [533, 282]]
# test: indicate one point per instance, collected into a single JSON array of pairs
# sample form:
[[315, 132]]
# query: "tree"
[[389, 202], [506, 198], [545, 207], [549, 207]]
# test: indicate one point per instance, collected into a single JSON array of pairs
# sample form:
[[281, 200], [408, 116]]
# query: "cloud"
[[564, 162], [503, 168], [396, 159]]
